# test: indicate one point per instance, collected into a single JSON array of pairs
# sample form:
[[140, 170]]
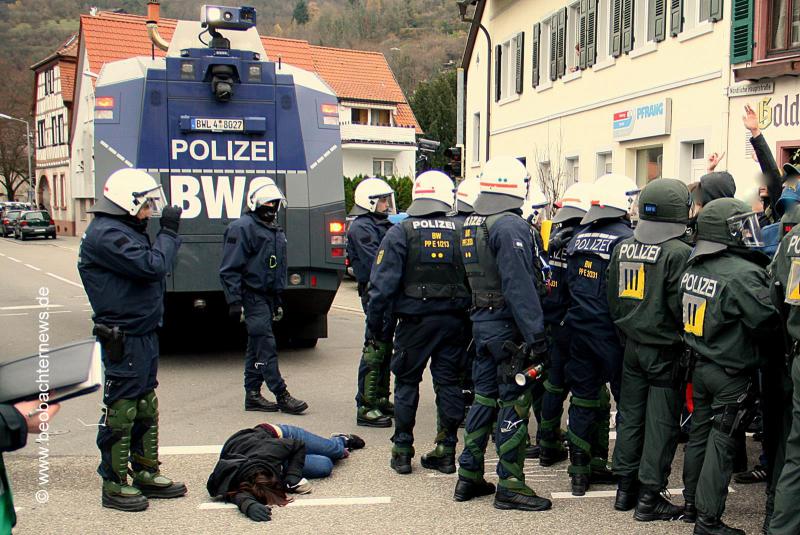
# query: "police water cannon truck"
[[211, 122]]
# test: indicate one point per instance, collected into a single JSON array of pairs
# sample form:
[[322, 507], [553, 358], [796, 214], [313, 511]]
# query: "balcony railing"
[[377, 134]]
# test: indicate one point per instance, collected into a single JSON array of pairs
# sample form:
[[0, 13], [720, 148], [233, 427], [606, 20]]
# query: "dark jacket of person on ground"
[[254, 470]]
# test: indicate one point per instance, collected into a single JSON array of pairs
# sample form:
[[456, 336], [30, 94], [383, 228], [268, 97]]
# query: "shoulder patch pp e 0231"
[[379, 258]]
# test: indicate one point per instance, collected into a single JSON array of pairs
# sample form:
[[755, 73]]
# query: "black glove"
[[538, 353], [259, 512], [171, 218], [235, 311]]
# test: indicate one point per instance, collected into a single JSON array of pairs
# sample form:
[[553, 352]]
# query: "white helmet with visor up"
[[433, 192], [267, 192], [614, 196], [503, 184], [373, 195], [127, 191]]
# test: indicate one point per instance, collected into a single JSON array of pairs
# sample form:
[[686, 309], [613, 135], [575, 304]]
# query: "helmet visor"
[[154, 199], [383, 204], [746, 230]]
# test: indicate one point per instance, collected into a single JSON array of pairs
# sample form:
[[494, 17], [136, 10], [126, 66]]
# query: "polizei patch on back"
[[598, 243], [639, 252], [699, 284], [631, 280], [433, 224]]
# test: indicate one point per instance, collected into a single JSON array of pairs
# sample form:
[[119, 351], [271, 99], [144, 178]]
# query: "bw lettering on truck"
[[211, 122]]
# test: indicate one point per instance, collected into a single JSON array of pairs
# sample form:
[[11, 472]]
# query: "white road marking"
[[311, 502], [607, 494], [33, 267], [7, 315], [349, 309], [62, 279], [31, 307], [2, 254], [190, 450], [14, 259]]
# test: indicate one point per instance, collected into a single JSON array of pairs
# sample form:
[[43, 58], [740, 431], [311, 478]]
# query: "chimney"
[[153, 10]]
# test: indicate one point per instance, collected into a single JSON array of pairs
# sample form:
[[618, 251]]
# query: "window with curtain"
[[784, 24]]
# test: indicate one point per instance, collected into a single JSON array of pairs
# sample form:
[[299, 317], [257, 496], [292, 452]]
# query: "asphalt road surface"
[[201, 400]]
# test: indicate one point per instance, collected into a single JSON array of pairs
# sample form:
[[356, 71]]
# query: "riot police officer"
[[123, 275], [497, 251], [726, 312], [374, 202], [785, 293], [418, 275], [253, 276], [595, 349], [643, 283], [573, 206]]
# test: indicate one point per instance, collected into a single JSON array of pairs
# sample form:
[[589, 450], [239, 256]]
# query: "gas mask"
[[267, 212]]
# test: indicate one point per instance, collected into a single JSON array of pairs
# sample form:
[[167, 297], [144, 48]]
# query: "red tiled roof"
[[351, 74], [112, 36], [292, 51], [67, 69]]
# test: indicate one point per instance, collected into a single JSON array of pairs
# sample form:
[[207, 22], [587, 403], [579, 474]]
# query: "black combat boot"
[[627, 493], [689, 512], [506, 499], [367, 417], [551, 456], [653, 506], [254, 401], [709, 525], [401, 459], [579, 471], [533, 451], [601, 473], [466, 489], [441, 458], [290, 405]]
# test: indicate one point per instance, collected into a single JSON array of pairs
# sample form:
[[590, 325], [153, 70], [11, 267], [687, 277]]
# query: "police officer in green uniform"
[[785, 292], [643, 282], [726, 313]]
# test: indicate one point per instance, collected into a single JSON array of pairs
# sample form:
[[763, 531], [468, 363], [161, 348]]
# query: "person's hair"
[[265, 487]]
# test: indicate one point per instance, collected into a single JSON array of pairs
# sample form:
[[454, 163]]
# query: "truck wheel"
[[303, 343]]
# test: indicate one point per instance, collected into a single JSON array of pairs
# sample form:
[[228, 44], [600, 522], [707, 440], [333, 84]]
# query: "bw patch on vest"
[[469, 253], [631, 280], [379, 258], [436, 246], [793, 286], [694, 314]]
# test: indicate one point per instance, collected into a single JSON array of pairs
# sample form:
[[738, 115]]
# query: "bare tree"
[[13, 157], [551, 171]]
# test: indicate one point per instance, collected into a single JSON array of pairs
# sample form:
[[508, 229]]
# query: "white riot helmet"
[[466, 193], [433, 192], [614, 196], [267, 192], [575, 202], [127, 191], [368, 194], [503, 186], [534, 206]]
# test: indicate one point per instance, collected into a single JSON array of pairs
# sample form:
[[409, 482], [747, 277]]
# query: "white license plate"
[[40, 230], [218, 125]]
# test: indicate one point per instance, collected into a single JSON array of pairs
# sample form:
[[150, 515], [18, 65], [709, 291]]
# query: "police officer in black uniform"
[[124, 277], [253, 276], [373, 203], [418, 275], [507, 327], [574, 205], [595, 349]]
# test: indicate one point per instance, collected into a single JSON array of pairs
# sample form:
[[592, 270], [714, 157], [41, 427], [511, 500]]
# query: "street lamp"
[[28, 140]]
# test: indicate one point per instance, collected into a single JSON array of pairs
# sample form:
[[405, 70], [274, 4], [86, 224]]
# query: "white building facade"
[[579, 89]]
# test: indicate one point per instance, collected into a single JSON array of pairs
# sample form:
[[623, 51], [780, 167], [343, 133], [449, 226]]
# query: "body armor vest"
[[432, 269], [480, 262]]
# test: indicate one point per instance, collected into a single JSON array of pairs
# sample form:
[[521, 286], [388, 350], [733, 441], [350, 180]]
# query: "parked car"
[[7, 223], [34, 224]]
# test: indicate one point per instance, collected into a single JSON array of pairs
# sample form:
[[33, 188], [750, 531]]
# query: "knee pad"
[[121, 414], [375, 355], [147, 406]]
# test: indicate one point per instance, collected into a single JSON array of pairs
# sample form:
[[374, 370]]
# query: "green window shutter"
[[591, 33], [520, 40], [657, 20], [498, 71], [626, 24], [675, 17], [616, 28], [537, 28], [715, 11], [583, 11], [553, 46], [742, 31], [561, 59]]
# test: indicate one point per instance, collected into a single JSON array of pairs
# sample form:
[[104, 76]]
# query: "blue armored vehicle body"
[[211, 123]]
